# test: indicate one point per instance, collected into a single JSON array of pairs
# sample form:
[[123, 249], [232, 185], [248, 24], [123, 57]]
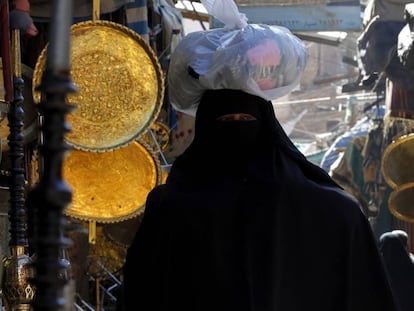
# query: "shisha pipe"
[[17, 291], [52, 195]]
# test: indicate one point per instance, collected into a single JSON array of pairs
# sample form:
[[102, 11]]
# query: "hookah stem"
[[17, 211]]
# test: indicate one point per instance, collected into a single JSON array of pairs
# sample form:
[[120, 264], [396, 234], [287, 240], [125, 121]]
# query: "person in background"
[[20, 17], [245, 222], [400, 267]]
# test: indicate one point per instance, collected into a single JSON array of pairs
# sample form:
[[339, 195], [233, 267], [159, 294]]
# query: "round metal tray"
[[120, 81], [396, 162], [111, 186]]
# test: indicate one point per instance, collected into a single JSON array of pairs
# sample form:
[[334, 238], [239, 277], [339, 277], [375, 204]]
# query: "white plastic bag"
[[267, 61]]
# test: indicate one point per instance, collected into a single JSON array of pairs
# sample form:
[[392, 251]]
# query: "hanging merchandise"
[[120, 81], [267, 61], [406, 40]]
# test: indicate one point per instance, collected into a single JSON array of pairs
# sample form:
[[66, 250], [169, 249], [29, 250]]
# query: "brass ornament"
[[111, 186], [397, 159], [17, 291], [120, 81], [400, 202]]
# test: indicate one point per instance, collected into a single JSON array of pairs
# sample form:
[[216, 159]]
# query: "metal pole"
[[5, 50], [52, 195]]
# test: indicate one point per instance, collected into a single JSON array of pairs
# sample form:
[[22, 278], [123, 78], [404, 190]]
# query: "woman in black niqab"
[[399, 263], [246, 223]]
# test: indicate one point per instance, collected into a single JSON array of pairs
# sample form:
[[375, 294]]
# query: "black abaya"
[[399, 266], [251, 227]]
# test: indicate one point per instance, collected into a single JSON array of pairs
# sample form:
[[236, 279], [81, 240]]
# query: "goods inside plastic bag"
[[267, 61]]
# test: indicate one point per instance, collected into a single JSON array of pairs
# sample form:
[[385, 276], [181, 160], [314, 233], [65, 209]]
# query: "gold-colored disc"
[[401, 200], [397, 161], [111, 186], [120, 81]]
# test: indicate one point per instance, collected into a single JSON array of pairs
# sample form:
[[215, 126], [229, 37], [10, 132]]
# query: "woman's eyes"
[[237, 117], [247, 118]]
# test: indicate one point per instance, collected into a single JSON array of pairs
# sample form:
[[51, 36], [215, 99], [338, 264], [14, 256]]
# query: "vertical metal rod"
[[52, 195], [98, 293], [96, 10], [5, 50]]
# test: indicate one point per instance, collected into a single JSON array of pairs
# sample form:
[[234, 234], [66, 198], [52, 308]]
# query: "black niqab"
[[400, 267], [251, 228]]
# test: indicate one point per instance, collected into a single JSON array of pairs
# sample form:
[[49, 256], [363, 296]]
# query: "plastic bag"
[[267, 61]]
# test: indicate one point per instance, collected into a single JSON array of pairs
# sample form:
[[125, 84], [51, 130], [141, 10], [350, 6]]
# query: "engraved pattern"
[[17, 291], [121, 86]]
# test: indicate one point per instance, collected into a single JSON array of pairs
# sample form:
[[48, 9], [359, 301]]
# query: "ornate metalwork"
[[121, 86], [129, 172], [17, 291]]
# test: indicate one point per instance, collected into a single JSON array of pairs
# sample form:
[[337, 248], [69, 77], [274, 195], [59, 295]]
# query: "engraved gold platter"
[[397, 161], [120, 81], [111, 186]]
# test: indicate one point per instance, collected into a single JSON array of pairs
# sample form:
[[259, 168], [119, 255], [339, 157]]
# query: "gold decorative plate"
[[397, 159], [111, 186], [120, 81]]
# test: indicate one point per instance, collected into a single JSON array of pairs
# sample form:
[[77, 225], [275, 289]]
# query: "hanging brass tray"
[[400, 202], [111, 186], [120, 81], [396, 162]]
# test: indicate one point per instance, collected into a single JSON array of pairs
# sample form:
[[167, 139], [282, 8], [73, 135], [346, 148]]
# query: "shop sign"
[[315, 15]]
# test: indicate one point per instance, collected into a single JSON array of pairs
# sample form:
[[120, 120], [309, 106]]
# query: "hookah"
[[17, 292]]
